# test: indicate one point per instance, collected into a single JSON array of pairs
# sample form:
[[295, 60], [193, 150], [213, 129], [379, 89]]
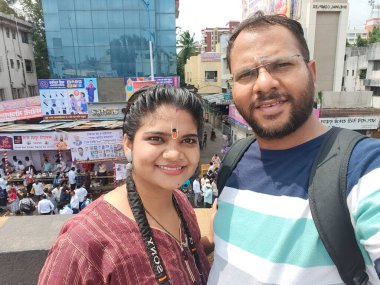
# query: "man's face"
[[80, 151], [274, 103]]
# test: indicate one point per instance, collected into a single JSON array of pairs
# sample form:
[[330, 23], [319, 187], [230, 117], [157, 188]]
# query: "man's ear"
[[313, 70], [127, 144]]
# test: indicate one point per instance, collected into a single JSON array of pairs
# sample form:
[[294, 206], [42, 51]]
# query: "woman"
[[144, 232]]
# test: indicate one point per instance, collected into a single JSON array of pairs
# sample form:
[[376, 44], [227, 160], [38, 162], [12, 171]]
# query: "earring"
[[129, 159]]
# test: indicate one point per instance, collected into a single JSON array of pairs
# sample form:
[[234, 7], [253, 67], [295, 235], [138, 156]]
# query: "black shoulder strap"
[[328, 205], [231, 159]]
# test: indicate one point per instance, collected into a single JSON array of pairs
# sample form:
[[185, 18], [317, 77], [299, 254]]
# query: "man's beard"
[[301, 109]]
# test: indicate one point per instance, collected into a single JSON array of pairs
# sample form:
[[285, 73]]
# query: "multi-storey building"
[[97, 38], [353, 34], [17, 69], [211, 36]]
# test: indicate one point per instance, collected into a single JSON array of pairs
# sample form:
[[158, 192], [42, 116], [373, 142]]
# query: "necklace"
[[169, 233]]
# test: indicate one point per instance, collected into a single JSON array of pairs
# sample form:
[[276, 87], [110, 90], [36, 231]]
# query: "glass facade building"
[[110, 38]]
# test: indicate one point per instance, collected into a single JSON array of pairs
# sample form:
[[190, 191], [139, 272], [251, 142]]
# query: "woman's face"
[[159, 160]]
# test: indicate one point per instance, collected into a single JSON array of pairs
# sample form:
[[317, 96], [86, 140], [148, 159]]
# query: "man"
[[264, 231], [197, 191], [91, 91], [72, 178], [81, 193], [45, 207]]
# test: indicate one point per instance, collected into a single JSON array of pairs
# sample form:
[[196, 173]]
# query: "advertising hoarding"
[[67, 98], [101, 145], [172, 80]]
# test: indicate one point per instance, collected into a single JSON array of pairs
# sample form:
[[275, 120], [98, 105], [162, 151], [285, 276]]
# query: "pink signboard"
[[234, 114], [20, 114]]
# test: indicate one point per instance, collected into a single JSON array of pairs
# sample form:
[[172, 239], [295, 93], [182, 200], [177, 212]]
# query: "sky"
[[195, 15]]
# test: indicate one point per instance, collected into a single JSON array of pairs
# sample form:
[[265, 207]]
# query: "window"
[[2, 95], [32, 90], [362, 73], [211, 76], [12, 63], [28, 65], [18, 64], [18, 93], [376, 65], [13, 35], [347, 72], [7, 32], [24, 37], [353, 72]]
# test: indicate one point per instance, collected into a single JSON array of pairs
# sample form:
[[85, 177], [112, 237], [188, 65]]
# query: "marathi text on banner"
[[102, 145]]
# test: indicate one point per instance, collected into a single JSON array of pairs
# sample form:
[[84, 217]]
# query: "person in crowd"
[[203, 180], [3, 193], [207, 194], [147, 222], [79, 179], [64, 198], [13, 200], [211, 168], [47, 166], [28, 181], [3, 182], [57, 179], [197, 192], [204, 141], [19, 167], [81, 192], [66, 210], [102, 171], [74, 201], [38, 187], [214, 188], [27, 205], [49, 195], [2, 167], [215, 159], [45, 206], [87, 201], [28, 161], [212, 135], [72, 175], [264, 229]]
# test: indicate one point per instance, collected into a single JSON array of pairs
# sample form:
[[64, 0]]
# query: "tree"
[[5, 7], [187, 45], [374, 36], [33, 12], [360, 42]]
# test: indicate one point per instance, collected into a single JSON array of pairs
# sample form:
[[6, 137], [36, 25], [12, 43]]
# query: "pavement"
[[211, 147]]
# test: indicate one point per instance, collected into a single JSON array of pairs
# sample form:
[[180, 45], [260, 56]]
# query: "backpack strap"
[[231, 159], [328, 204]]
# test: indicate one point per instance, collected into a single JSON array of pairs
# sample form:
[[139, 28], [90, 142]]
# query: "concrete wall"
[[25, 243], [360, 99], [111, 89]]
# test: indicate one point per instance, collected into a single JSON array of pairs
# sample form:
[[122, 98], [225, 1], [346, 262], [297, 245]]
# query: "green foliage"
[[5, 7], [33, 12], [374, 37], [347, 44], [360, 42], [188, 49]]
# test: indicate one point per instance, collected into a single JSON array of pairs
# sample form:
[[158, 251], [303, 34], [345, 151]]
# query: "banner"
[[129, 90], [102, 145], [41, 141], [20, 114], [6, 143], [352, 123], [67, 98]]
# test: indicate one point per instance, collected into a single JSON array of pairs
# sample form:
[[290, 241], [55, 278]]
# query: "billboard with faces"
[[67, 99]]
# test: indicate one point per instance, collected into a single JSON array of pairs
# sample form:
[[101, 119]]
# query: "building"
[[203, 71], [353, 34], [325, 26], [211, 36], [96, 38], [362, 70], [18, 77], [372, 23]]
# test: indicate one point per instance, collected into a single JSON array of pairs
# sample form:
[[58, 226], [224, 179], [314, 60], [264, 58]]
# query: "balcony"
[[372, 82]]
